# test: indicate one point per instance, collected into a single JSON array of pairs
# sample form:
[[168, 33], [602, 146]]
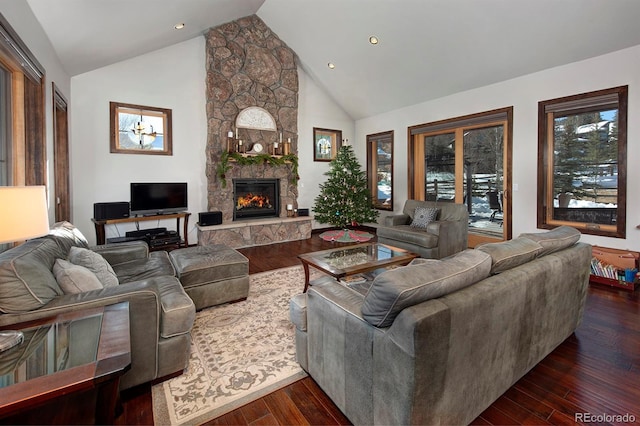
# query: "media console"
[[156, 239]]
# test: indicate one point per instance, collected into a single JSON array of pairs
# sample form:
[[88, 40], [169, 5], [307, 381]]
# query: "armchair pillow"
[[95, 263], [424, 216], [74, 278]]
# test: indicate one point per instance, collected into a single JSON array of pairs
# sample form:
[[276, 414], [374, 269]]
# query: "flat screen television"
[[158, 198]]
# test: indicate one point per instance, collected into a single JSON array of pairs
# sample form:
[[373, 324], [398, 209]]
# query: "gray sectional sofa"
[[437, 341], [161, 313]]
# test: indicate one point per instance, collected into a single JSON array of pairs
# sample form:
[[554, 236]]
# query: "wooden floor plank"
[[597, 368]]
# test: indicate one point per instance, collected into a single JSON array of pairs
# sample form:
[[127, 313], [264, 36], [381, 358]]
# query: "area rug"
[[346, 236], [239, 353]]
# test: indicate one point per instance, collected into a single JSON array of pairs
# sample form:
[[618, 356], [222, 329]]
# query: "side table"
[[68, 368]]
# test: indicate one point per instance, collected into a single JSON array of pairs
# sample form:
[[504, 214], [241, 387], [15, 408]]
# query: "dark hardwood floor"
[[595, 372]]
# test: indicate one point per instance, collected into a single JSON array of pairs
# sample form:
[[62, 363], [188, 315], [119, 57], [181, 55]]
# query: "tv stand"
[[100, 224]]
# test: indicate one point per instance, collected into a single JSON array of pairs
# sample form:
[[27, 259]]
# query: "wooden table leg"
[[306, 276]]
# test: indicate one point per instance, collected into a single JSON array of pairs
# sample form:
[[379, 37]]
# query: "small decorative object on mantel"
[[231, 142], [287, 147]]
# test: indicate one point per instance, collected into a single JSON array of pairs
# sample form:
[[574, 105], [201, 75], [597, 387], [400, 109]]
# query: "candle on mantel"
[[280, 137], [236, 133], [230, 134]]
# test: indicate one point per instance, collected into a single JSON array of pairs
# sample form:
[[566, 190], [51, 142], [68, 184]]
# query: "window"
[[23, 91], [380, 169], [466, 160], [582, 146]]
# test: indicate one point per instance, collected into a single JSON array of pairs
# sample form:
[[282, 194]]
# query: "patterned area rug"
[[239, 353]]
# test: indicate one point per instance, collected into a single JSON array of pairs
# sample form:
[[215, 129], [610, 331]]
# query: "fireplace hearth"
[[256, 198]]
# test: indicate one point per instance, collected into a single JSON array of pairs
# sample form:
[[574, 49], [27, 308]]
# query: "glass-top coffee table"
[[354, 259]]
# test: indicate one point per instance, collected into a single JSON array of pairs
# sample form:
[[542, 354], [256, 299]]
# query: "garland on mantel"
[[224, 166]]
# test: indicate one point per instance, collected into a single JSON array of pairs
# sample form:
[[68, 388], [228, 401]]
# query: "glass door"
[[466, 160]]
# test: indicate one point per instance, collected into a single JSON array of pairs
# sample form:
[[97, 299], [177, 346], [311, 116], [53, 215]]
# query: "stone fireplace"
[[249, 66], [256, 198]]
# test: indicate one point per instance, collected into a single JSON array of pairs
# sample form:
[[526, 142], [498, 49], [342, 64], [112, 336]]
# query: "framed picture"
[[137, 129], [326, 143]]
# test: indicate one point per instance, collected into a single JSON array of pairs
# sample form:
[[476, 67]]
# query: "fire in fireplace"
[[256, 198]]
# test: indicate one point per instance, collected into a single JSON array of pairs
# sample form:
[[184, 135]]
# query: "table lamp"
[[23, 213]]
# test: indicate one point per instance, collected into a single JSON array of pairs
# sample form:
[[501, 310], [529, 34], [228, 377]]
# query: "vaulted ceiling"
[[427, 49]]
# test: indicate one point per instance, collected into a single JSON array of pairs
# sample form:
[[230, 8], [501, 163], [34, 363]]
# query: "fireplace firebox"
[[256, 198]]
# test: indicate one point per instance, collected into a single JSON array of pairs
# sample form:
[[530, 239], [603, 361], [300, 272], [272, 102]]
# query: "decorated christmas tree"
[[344, 199]]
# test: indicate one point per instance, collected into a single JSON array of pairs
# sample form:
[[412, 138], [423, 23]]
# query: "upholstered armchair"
[[431, 229]]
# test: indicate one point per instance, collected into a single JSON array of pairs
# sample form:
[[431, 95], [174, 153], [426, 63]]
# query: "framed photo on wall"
[[137, 129], [326, 143]]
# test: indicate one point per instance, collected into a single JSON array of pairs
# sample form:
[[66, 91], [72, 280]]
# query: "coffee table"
[[67, 370], [354, 259]]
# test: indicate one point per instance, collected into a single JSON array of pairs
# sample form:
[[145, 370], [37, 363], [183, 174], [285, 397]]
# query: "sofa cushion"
[[509, 254], [66, 236], [26, 280], [157, 264], [554, 240], [396, 289], [75, 278], [95, 263], [405, 233], [424, 216]]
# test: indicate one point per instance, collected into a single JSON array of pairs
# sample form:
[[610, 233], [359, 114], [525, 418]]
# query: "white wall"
[[611, 70], [316, 109], [172, 78], [22, 20]]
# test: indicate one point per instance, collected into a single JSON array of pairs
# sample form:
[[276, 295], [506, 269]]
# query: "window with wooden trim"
[[380, 169], [24, 91], [582, 150], [466, 160]]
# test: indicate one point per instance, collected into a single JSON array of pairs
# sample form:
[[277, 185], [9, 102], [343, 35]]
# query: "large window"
[[582, 162], [466, 160]]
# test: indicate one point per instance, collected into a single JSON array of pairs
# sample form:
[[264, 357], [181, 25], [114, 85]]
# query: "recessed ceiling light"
[[373, 40], [179, 26], [331, 65]]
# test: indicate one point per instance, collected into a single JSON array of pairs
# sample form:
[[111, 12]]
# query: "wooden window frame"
[[457, 125], [582, 103], [28, 151], [372, 167]]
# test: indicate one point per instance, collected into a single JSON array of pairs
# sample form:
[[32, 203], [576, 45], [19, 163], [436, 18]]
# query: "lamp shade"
[[23, 213]]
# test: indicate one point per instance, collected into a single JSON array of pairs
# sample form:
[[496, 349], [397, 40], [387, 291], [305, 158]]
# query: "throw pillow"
[[95, 263], [509, 254], [74, 278], [394, 290], [424, 216], [555, 240]]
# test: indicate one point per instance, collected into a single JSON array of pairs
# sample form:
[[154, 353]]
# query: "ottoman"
[[212, 275]]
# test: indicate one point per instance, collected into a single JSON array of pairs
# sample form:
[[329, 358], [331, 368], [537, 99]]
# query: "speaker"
[[303, 212], [210, 218], [115, 210]]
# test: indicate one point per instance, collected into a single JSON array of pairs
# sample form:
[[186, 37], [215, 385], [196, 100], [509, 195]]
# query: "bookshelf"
[[608, 267]]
